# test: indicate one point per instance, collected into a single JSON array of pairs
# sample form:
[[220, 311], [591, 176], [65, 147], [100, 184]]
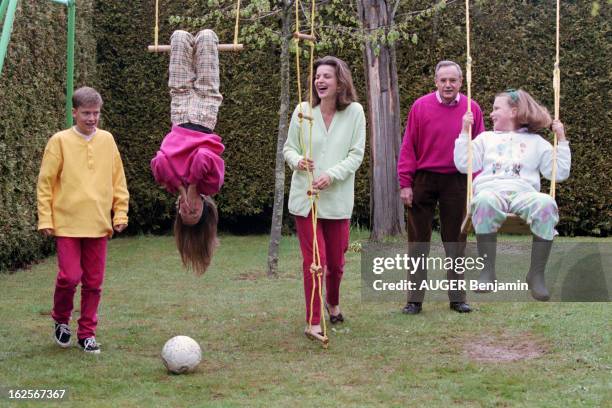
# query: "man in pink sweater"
[[428, 177]]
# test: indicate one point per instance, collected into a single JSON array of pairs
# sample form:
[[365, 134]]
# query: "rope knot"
[[316, 269], [313, 193]]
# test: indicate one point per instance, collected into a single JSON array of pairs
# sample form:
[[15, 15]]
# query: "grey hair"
[[448, 63]]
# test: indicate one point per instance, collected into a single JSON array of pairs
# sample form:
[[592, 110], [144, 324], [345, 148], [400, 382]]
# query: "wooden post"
[[283, 127], [386, 208]]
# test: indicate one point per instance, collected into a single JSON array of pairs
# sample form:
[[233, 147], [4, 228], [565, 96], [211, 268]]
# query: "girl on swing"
[[188, 161], [511, 159]]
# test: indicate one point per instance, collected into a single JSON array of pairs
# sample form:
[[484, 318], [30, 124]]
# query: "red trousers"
[[332, 240], [80, 260]]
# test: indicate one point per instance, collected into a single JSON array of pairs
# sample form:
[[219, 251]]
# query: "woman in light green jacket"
[[329, 154]]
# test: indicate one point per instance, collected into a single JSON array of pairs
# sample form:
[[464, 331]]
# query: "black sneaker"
[[89, 345], [62, 335]]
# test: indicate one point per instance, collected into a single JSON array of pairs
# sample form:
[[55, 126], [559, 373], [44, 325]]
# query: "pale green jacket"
[[337, 152]]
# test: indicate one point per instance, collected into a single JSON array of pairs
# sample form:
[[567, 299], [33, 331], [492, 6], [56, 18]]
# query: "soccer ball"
[[181, 354]]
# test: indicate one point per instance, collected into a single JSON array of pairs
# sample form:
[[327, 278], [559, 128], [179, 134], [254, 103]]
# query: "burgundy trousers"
[[333, 241], [80, 260], [449, 192]]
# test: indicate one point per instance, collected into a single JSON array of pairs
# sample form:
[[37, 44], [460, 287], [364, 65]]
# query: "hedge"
[[32, 87], [139, 117], [512, 46]]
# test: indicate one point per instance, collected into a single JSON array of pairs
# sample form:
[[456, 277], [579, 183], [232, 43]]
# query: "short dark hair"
[[86, 96], [346, 90]]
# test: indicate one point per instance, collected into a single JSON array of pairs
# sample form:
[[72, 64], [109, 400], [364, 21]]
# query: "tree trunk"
[[386, 208], [279, 172]]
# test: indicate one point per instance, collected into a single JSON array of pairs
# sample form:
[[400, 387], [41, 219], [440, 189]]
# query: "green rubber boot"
[[487, 249], [540, 252]]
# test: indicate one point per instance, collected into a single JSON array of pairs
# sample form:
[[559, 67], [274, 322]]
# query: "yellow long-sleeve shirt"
[[79, 184]]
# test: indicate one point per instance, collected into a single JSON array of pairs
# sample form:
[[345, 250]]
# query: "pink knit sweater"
[[189, 157], [429, 139]]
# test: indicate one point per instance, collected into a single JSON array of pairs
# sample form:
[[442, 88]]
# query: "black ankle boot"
[[487, 249], [540, 251]]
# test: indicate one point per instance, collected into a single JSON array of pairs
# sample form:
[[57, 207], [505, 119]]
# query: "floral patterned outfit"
[[509, 182]]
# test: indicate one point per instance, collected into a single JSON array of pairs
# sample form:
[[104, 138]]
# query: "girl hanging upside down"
[[188, 161], [511, 158]]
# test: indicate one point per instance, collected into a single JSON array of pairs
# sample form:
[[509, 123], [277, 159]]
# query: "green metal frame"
[[7, 13], [7, 27]]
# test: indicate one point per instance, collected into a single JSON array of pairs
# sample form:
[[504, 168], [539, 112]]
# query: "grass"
[[250, 329]]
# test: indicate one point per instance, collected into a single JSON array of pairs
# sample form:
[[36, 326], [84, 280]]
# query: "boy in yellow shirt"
[[81, 182]]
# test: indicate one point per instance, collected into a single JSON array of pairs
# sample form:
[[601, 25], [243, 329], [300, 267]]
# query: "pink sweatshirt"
[[429, 139], [189, 157]]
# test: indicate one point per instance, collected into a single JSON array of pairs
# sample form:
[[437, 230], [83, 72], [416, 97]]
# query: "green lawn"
[[250, 329]]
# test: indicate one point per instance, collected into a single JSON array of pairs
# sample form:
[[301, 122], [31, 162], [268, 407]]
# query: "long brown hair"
[[530, 113], [196, 243], [346, 90]]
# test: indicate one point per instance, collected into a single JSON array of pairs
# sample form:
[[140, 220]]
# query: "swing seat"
[[317, 337], [316, 270], [513, 225], [305, 37], [220, 47]]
